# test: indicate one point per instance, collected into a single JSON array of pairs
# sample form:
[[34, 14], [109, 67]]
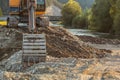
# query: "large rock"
[[10, 41], [13, 63]]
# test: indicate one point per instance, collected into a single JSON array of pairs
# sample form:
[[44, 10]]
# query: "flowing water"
[[85, 32]]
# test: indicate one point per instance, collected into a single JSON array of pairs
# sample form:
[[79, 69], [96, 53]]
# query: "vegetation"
[[81, 21], [116, 25], [69, 11], [105, 16], [0, 12], [100, 18], [84, 3], [4, 6], [115, 13]]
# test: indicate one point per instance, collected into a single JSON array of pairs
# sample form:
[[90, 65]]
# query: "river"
[[85, 32]]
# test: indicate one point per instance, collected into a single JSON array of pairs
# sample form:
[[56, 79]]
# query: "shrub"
[[0, 12], [69, 11], [81, 21]]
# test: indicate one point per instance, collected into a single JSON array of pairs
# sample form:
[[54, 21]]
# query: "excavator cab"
[[40, 4], [21, 9]]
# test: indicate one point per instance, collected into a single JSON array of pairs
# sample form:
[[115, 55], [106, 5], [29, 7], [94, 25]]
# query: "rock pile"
[[10, 41], [81, 69]]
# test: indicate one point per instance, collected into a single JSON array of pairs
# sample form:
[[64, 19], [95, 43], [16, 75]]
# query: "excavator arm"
[[34, 45], [31, 14]]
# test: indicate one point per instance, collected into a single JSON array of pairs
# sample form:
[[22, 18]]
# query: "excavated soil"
[[95, 40], [60, 43]]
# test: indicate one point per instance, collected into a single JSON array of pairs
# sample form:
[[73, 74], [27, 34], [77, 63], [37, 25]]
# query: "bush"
[[100, 17], [81, 21], [70, 10], [115, 14], [116, 25], [0, 12]]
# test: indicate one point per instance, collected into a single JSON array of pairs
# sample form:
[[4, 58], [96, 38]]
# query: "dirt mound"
[[96, 40], [60, 43]]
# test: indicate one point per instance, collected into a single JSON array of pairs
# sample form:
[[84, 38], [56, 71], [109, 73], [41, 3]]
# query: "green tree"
[[113, 8], [116, 25], [100, 19], [0, 12], [116, 18], [69, 11], [81, 21]]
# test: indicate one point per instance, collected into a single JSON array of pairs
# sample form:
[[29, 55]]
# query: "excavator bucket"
[[34, 49]]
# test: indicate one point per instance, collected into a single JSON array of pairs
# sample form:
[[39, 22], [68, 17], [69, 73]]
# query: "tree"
[[116, 18], [81, 21], [100, 17], [70, 10], [0, 12], [113, 8], [116, 25]]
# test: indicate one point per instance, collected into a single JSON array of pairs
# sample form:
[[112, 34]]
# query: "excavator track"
[[34, 49]]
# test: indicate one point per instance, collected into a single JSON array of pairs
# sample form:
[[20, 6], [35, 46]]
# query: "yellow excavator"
[[20, 12], [31, 12]]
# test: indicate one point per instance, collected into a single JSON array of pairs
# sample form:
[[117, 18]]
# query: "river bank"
[[101, 43], [86, 32], [69, 57]]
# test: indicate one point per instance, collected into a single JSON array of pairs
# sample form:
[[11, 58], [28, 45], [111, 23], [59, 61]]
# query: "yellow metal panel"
[[14, 3], [40, 13], [3, 23]]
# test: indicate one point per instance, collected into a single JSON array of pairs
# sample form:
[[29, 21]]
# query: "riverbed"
[[85, 32]]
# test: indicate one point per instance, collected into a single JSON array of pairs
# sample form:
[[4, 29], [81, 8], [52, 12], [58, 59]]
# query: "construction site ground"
[[69, 57]]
